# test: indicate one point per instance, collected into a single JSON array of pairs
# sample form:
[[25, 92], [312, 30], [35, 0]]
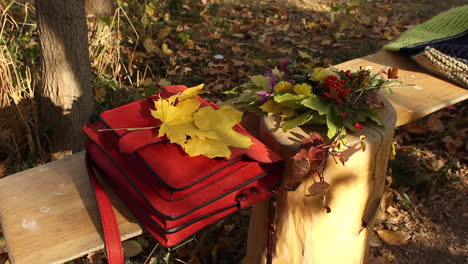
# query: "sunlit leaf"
[[165, 49], [164, 32], [304, 55], [296, 121], [261, 81], [149, 45], [314, 103], [393, 238], [276, 108], [199, 131]]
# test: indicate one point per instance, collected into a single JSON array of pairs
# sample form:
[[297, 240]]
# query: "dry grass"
[[18, 81], [23, 141]]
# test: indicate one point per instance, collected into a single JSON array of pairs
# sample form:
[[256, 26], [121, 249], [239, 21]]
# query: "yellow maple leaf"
[[276, 108], [283, 87], [221, 121], [303, 88], [190, 93], [208, 147], [176, 120], [199, 131]]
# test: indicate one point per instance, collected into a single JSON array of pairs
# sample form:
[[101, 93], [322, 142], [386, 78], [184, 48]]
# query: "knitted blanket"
[[439, 45]]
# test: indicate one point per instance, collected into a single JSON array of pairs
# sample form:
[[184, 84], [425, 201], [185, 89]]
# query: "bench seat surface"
[[49, 213], [420, 94]]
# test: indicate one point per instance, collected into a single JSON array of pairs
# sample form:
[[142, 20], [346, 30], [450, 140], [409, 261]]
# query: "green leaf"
[[317, 120], [106, 20], [184, 36], [334, 122], [240, 89], [322, 106], [304, 55], [277, 73], [244, 105], [289, 97], [247, 98], [372, 114], [297, 121], [289, 100], [261, 81]]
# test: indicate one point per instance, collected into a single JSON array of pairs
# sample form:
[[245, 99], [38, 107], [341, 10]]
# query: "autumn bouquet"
[[341, 100]]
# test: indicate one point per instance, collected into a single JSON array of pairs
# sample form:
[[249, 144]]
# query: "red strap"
[[108, 219]]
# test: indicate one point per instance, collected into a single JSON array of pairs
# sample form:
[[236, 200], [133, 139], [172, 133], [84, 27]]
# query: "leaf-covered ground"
[[221, 43]]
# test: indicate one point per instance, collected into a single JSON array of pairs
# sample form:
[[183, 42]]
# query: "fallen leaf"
[[164, 32], [434, 124], [304, 55], [326, 42], [312, 25], [393, 238], [95, 257], [189, 43], [163, 82], [387, 200], [143, 241], [148, 81], [165, 49], [374, 240], [3, 171], [149, 46], [131, 248], [415, 128]]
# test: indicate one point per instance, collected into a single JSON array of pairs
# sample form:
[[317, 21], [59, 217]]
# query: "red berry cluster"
[[334, 89], [347, 73]]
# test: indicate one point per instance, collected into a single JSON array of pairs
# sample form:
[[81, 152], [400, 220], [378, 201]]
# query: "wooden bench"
[[49, 215]]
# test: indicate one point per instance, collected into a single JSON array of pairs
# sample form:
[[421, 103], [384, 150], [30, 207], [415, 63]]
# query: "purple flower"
[[264, 96], [284, 65], [272, 79]]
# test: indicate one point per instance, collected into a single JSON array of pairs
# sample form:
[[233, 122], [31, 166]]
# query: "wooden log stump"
[[306, 233]]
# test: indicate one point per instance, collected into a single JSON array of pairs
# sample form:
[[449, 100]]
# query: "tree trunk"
[[306, 233], [65, 97], [100, 8]]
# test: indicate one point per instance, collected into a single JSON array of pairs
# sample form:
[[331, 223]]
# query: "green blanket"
[[439, 45], [447, 25]]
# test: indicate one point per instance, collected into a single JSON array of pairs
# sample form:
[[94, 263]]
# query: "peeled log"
[[306, 233]]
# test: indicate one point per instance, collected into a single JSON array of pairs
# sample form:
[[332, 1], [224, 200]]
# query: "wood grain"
[[420, 94], [306, 232], [49, 214]]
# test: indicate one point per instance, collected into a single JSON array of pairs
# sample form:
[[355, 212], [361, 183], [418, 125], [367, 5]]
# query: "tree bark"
[[100, 8], [65, 95]]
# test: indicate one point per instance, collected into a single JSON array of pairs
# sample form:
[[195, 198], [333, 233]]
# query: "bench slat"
[[49, 213], [427, 93]]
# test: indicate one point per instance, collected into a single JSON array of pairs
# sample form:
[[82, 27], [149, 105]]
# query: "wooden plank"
[[421, 92], [49, 213]]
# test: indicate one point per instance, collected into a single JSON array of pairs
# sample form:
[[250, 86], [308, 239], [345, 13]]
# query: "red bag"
[[172, 194]]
